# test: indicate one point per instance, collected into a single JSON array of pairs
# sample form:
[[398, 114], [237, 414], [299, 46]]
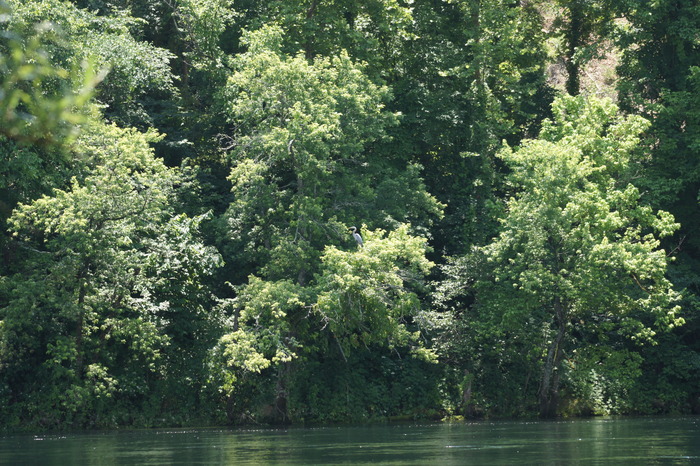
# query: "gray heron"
[[356, 235]]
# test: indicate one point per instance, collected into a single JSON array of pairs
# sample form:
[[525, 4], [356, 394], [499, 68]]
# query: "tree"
[[139, 81], [577, 261], [301, 157], [660, 80], [583, 26], [470, 74], [303, 164], [43, 100], [107, 277], [368, 30], [362, 298]]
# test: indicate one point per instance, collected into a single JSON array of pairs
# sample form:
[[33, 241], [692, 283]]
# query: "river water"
[[647, 440]]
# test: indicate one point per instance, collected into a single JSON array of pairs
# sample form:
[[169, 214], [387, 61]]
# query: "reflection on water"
[[601, 440]]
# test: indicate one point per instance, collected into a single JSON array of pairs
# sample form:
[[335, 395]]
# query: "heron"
[[356, 235]]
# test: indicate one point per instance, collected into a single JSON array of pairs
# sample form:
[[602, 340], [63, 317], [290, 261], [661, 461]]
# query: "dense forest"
[[180, 179]]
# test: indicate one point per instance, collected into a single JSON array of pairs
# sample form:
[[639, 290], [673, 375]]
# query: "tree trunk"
[[281, 415], [80, 324], [308, 44], [574, 41], [549, 385], [468, 408]]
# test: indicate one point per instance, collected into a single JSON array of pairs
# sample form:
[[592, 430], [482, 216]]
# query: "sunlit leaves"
[[40, 98], [202, 23], [137, 71], [573, 231], [74, 38], [282, 105], [370, 30], [120, 272], [300, 153], [367, 296], [578, 252], [261, 333]]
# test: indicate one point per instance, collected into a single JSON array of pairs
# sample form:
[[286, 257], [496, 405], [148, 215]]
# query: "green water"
[[588, 441]]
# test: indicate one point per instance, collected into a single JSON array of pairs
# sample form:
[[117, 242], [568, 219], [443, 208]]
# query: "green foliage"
[[576, 244], [301, 160], [369, 30], [576, 224], [40, 98], [365, 296], [669, 380], [202, 23], [300, 156], [602, 381], [138, 72], [106, 254], [471, 75], [230, 289], [25, 173], [260, 336], [370, 384], [659, 79]]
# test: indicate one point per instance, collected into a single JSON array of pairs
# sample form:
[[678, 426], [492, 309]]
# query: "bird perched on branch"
[[356, 235]]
